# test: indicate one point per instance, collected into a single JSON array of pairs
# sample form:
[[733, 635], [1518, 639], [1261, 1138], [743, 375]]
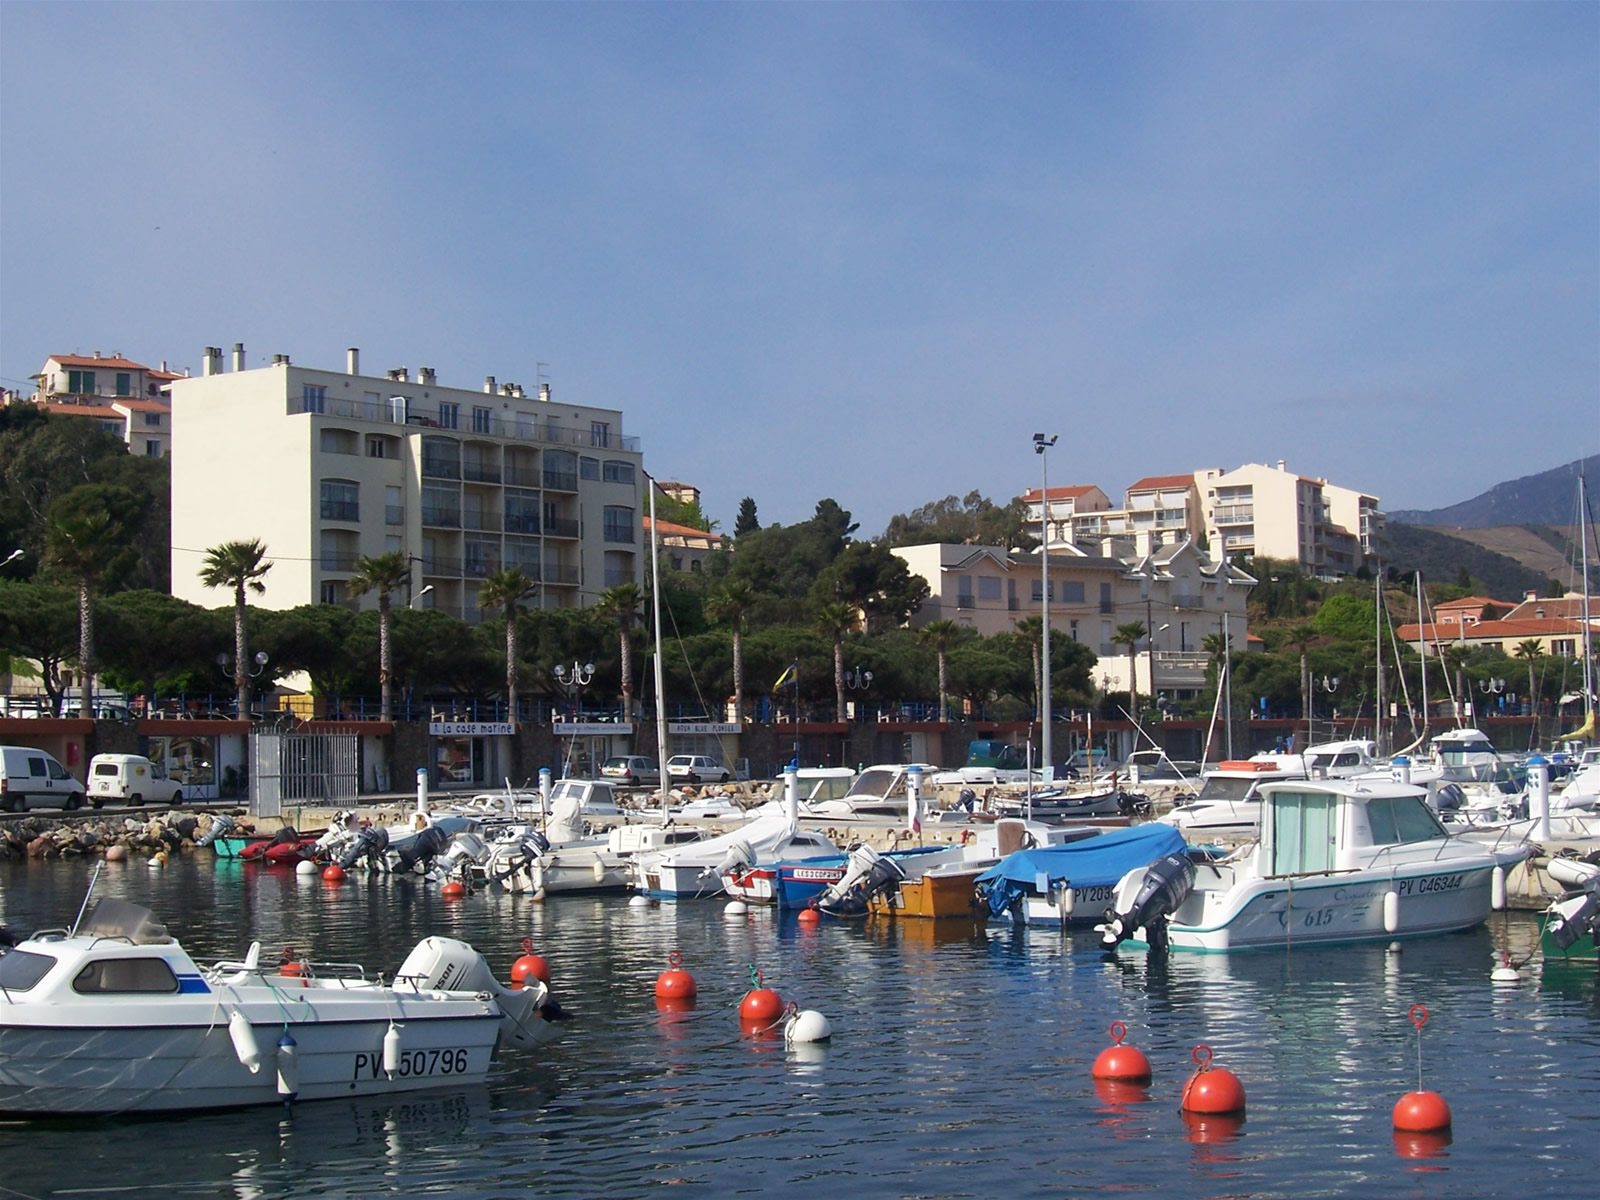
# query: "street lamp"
[[1491, 687], [574, 679], [419, 596], [858, 680], [12, 557], [1041, 443], [225, 662]]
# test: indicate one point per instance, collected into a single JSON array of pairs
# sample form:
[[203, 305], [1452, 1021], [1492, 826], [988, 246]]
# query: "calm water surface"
[[959, 1065]]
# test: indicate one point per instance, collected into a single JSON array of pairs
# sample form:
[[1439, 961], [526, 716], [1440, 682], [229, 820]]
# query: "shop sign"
[[592, 728], [471, 728], [702, 727]]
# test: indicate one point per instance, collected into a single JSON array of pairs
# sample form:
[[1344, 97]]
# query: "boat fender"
[[244, 1041], [599, 871], [391, 1050], [288, 1066], [1064, 900], [1391, 911], [1497, 889], [967, 836]]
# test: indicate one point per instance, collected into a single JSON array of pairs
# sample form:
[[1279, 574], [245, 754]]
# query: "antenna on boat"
[[87, 893]]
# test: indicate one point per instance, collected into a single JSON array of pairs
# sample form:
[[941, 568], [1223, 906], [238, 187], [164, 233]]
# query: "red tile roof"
[[80, 360], [137, 404], [1060, 493], [103, 412], [1491, 630], [1151, 483], [1473, 602]]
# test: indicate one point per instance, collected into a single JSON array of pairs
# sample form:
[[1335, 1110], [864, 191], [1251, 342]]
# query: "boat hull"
[[1332, 909], [935, 895]]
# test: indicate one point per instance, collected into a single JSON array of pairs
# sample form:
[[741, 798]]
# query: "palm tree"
[[1533, 651], [622, 604], [938, 634], [837, 619], [238, 565], [730, 603], [384, 574], [506, 590], [1130, 634], [85, 536]]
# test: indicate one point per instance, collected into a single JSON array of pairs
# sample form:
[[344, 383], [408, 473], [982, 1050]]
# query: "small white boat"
[[688, 872], [115, 1017], [1337, 861], [1229, 805], [878, 794]]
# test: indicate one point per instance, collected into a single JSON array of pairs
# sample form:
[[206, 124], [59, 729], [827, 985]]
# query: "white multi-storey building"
[[1273, 512], [326, 467]]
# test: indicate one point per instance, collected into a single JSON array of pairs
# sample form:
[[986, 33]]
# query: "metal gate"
[[302, 768]]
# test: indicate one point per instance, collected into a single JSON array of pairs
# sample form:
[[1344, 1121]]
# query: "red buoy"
[[529, 966], [760, 1003], [1211, 1090], [809, 916], [1126, 1064], [1421, 1112], [675, 983], [453, 890], [333, 873]]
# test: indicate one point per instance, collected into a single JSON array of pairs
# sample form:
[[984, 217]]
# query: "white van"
[[32, 776], [130, 777]]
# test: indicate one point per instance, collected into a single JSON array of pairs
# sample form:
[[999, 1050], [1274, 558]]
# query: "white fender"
[[1391, 911], [1497, 889], [244, 1041], [1064, 899], [288, 1066], [391, 1050]]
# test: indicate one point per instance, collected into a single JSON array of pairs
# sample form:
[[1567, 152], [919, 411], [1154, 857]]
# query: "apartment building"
[[125, 398], [1178, 593], [1271, 511], [1157, 511], [1063, 505], [326, 467]]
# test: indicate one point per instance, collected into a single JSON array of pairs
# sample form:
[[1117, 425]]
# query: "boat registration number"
[[443, 1061], [1429, 883]]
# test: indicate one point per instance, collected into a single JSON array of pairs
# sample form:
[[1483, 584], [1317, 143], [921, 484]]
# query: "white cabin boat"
[[878, 794], [115, 1017], [689, 872], [1337, 861]]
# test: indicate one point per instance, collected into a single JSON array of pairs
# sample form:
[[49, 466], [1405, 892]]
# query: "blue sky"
[[858, 251]]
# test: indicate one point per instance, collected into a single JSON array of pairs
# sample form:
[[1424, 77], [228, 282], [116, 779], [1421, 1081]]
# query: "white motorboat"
[[687, 872], [1228, 806], [878, 794], [1336, 861], [113, 1016]]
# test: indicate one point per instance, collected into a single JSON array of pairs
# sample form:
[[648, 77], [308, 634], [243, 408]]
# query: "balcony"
[[528, 477], [560, 573], [449, 568], [560, 481], [440, 468], [1239, 514], [338, 562], [964, 602], [387, 413], [479, 473], [443, 518], [561, 527], [480, 568], [482, 521], [341, 510], [525, 522], [394, 514]]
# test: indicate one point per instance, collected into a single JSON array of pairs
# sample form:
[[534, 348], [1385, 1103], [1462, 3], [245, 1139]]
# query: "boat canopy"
[[1093, 862]]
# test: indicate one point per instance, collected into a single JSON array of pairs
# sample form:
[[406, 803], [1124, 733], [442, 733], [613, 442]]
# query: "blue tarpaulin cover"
[[1094, 862]]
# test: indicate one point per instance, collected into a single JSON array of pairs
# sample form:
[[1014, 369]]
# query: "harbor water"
[[959, 1066]]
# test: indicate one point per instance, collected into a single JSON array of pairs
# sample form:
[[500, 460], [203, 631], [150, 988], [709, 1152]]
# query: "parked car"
[[29, 776], [131, 778], [632, 770], [694, 768]]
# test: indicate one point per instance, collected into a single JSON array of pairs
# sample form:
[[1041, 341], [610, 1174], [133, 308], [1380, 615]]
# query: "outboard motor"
[[221, 826], [1577, 912], [1144, 896], [465, 849], [740, 857], [510, 855], [370, 845], [870, 874], [344, 826], [429, 844]]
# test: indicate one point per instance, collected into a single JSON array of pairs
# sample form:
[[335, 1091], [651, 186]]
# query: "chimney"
[[238, 356], [544, 392], [425, 375], [97, 354], [399, 374], [164, 370], [1280, 464], [488, 384], [508, 389], [280, 360], [212, 359], [1527, 596], [352, 361]]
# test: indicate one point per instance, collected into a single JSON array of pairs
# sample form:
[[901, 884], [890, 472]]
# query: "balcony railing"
[[561, 481], [341, 510], [478, 473], [480, 568], [526, 431], [485, 522], [436, 565], [530, 570], [562, 527], [560, 573], [446, 518], [528, 477], [525, 522], [965, 602], [339, 562], [440, 468]]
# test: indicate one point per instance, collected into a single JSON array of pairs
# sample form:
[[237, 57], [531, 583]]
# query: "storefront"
[[470, 754], [717, 740], [585, 746]]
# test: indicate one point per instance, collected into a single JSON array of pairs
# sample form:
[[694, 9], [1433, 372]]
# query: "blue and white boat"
[[1072, 884], [1337, 860]]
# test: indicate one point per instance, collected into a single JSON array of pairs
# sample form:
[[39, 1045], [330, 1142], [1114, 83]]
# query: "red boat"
[[285, 846]]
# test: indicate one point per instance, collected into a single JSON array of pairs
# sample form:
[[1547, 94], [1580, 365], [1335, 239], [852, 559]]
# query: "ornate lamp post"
[[1041, 443]]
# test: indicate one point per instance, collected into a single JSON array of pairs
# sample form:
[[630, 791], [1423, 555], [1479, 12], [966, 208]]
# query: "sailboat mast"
[[1422, 650], [1378, 714], [661, 695], [1588, 629]]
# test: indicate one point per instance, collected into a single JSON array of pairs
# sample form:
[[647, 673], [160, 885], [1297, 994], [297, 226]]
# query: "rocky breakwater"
[[115, 838]]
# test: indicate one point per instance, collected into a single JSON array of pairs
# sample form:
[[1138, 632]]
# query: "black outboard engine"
[[370, 845], [221, 826], [7, 939], [1572, 916], [430, 843], [1144, 896], [870, 874]]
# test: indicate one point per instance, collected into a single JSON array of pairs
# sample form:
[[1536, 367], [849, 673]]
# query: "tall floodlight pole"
[[1040, 445]]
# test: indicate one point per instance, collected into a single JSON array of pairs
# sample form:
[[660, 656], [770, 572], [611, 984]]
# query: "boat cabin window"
[[1398, 819], [1225, 787], [125, 975], [21, 969], [1304, 825], [880, 783]]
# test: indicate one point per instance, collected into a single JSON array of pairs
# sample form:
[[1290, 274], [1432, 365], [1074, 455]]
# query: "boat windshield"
[[1396, 820], [875, 783], [1454, 754], [1225, 788]]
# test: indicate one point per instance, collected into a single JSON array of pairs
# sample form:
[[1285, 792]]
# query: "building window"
[[376, 448], [988, 587], [620, 524], [1072, 591], [340, 500], [1038, 590], [482, 419], [599, 433], [964, 591], [313, 398], [329, 593], [618, 471], [1105, 598], [80, 383], [588, 468], [152, 419], [619, 569], [1563, 647], [338, 441], [449, 415], [152, 448], [124, 383], [1074, 629]]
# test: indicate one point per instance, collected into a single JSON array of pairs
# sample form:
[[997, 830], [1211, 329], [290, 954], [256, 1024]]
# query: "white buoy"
[[1505, 973], [157, 862], [639, 902], [808, 1025], [1394, 947], [288, 1066], [1497, 889], [305, 867], [1391, 912], [735, 909], [391, 1050], [244, 1041]]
